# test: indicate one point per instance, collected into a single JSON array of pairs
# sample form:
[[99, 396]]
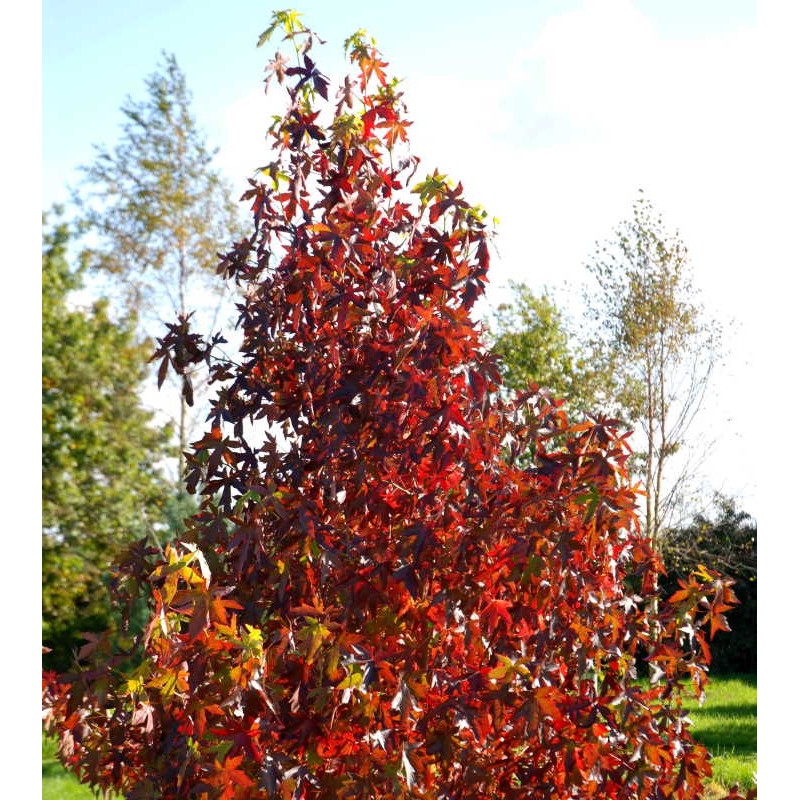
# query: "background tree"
[[159, 213], [530, 336], [378, 604], [101, 488], [658, 346]]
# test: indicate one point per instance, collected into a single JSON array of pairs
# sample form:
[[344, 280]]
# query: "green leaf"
[[352, 681]]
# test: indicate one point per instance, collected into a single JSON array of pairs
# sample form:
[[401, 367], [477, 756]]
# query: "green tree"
[[159, 212], [530, 336], [100, 484], [657, 345]]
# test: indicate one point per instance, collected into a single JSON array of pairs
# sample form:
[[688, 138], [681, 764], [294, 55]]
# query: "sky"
[[552, 114]]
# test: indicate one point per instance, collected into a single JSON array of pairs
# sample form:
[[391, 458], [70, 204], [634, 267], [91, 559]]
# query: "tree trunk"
[[663, 452], [650, 512], [182, 432]]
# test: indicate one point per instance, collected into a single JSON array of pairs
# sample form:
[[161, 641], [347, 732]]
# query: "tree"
[[100, 486], [530, 337], [159, 212], [372, 602], [658, 345]]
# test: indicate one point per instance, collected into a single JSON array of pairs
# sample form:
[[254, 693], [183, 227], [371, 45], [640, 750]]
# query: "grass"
[[57, 783], [725, 724]]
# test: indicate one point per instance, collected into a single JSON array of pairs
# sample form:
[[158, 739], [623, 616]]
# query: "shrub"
[[727, 543]]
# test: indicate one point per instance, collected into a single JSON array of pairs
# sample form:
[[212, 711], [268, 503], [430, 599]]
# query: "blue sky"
[[95, 53]]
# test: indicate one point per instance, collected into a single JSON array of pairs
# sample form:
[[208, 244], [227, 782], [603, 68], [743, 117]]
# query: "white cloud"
[[599, 105], [242, 128], [596, 59]]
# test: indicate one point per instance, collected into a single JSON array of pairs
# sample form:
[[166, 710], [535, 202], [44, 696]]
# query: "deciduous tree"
[[372, 602], [531, 338], [100, 486], [159, 212], [658, 346]]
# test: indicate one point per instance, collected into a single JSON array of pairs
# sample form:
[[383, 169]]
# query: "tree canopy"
[[530, 336], [101, 487]]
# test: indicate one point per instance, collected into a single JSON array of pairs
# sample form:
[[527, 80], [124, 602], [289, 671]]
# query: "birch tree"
[[659, 347]]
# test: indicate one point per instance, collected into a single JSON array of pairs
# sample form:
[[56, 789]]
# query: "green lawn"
[[57, 783], [725, 724]]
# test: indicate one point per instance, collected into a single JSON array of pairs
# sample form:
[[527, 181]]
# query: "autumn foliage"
[[375, 600]]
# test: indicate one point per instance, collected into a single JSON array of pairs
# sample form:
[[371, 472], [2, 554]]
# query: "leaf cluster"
[[725, 541]]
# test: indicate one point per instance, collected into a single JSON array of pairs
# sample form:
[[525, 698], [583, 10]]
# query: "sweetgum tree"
[[373, 600]]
